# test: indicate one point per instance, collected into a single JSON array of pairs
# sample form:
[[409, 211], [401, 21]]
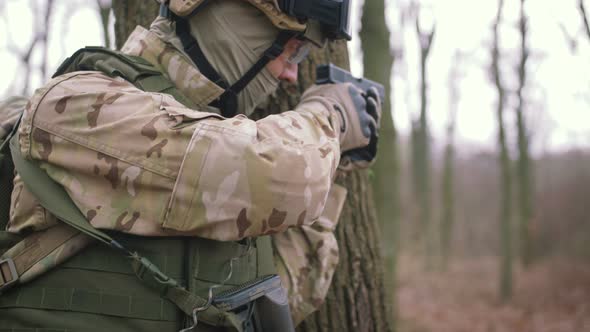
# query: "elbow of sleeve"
[[293, 180], [255, 181]]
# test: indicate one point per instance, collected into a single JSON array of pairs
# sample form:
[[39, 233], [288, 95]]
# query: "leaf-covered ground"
[[551, 296]]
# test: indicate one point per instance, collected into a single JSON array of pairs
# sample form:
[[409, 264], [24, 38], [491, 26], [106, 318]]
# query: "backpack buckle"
[[8, 274]]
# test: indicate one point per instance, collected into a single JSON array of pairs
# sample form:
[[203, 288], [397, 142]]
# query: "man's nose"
[[290, 73]]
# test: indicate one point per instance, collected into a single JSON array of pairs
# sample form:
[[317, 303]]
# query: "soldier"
[[146, 144]]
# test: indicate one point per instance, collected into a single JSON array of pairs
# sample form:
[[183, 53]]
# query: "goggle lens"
[[300, 53]]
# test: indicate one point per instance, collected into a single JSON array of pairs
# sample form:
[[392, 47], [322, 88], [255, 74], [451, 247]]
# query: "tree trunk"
[[356, 299], [129, 14], [377, 62], [421, 165], [504, 162], [525, 190], [105, 14], [447, 190]]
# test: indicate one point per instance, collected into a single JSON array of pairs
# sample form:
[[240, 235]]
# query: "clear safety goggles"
[[298, 52]]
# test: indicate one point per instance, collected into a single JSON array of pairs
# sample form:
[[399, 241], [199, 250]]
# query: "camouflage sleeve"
[[144, 164], [306, 258]]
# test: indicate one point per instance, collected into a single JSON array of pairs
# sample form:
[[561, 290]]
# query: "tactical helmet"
[[331, 16], [312, 20]]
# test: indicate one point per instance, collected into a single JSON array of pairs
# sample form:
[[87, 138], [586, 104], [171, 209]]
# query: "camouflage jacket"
[[142, 163]]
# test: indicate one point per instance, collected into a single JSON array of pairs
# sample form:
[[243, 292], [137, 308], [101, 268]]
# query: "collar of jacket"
[[174, 65]]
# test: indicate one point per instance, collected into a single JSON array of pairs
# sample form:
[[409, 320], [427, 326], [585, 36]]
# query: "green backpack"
[[179, 276]]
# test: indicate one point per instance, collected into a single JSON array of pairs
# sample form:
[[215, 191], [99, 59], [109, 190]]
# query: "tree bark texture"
[[129, 14], [504, 163], [356, 301], [377, 62], [524, 167]]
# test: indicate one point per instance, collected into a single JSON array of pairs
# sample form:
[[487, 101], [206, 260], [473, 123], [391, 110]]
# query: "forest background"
[[481, 186]]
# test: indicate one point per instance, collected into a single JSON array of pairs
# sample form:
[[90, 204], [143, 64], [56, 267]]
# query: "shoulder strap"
[[55, 199]]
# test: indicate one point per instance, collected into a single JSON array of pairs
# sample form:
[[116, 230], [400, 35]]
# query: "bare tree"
[[104, 9], [448, 195], [504, 163], [524, 167], [42, 25], [421, 144], [584, 15], [43, 32]]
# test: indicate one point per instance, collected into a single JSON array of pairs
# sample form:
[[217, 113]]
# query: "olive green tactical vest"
[[97, 290]]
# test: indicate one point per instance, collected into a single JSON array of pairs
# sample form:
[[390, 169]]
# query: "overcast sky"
[[559, 90]]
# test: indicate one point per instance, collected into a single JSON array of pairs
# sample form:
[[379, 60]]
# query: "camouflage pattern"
[[270, 8], [177, 67], [306, 257], [142, 163]]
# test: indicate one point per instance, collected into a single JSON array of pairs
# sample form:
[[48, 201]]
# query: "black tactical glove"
[[363, 157], [359, 114]]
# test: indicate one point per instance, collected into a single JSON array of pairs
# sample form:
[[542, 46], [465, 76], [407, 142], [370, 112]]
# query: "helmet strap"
[[228, 101]]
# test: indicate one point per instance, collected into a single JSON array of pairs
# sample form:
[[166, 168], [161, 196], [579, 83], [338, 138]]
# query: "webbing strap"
[[265, 260], [55, 199], [38, 246]]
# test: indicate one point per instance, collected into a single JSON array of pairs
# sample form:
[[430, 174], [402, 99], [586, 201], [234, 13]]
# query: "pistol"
[[263, 304], [333, 74]]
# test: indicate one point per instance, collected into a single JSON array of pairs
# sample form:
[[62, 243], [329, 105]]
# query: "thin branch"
[[572, 43], [45, 37], [582, 9]]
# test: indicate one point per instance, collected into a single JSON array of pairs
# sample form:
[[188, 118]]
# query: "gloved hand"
[[360, 114]]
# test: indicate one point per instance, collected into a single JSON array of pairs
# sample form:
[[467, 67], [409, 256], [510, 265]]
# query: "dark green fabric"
[[6, 183], [6, 179], [97, 290], [7, 240]]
